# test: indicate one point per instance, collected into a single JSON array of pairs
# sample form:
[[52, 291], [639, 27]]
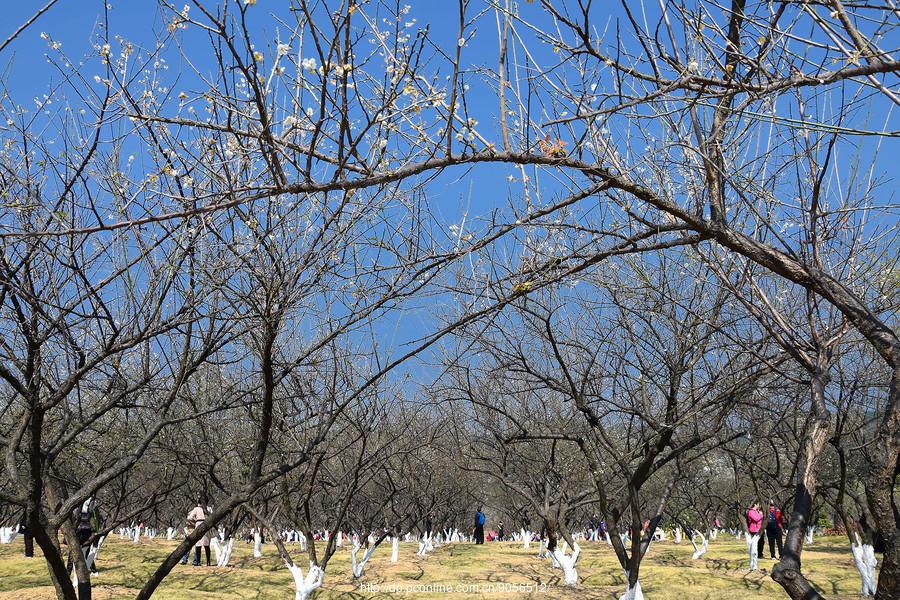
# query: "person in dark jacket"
[[774, 527], [501, 534], [479, 527]]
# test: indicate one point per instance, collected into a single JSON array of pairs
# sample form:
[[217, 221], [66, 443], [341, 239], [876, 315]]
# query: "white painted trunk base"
[[305, 586], [699, 550], [222, 551], [632, 593], [395, 549], [89, 559], [526, 538], [865, 561], [257, 544], [567, 563], [358, 567], [8, 534], [425, 545]]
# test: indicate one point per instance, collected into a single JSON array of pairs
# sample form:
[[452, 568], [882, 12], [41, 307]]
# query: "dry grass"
[[497, 571]]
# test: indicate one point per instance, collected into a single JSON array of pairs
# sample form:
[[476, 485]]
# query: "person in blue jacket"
[[479, 527]]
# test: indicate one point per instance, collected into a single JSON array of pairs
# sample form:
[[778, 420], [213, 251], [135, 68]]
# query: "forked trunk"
[[633, 591], [567, 563], [305, 586]]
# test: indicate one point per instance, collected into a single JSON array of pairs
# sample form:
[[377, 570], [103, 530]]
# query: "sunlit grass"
[[668, 573]]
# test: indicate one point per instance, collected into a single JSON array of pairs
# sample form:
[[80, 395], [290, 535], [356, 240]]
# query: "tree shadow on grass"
[[754, 580], [412, 576], [720, 564]]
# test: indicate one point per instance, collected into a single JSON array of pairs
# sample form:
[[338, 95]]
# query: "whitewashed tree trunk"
[[865, 561], [608, 541], [632, 593], [358, 567], [752, 547], [89, 559], [8, 534], [526, 538], [340, 539], [257, 544], [425, 545], [306, 585], [713, 534], [395, 549], [302, 538], [810, 531], [678, 535], [226, 554], [222, 550], [137, 535], [217, 549], [567, 563], [701, 550], [542, 549]]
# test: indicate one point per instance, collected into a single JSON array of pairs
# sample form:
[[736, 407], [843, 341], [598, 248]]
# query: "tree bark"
[[788, 571]]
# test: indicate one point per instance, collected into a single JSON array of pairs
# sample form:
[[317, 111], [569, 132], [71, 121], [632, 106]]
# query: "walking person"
[[478, 532], [774, 528], [500, 533], [195, 519], [754, 524]]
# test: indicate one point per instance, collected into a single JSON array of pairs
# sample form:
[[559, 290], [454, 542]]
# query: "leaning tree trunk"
[[880, 487], [787, 572]]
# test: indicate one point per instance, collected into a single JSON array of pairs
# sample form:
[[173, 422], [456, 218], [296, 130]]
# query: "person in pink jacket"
[[754, 525], [754, 518]]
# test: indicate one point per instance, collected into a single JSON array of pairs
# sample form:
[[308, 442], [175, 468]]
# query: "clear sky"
[[72, 23]]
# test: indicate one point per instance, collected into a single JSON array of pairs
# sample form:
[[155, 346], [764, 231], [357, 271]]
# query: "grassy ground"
[[497, 571]]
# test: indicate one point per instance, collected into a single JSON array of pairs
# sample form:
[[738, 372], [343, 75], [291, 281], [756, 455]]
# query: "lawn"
[[497, 571]]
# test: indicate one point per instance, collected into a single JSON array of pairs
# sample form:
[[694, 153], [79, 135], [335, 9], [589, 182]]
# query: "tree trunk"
[[787, 572], [880, 487]]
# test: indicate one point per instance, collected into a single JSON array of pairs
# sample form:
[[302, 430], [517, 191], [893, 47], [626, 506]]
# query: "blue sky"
[[477, 191]]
